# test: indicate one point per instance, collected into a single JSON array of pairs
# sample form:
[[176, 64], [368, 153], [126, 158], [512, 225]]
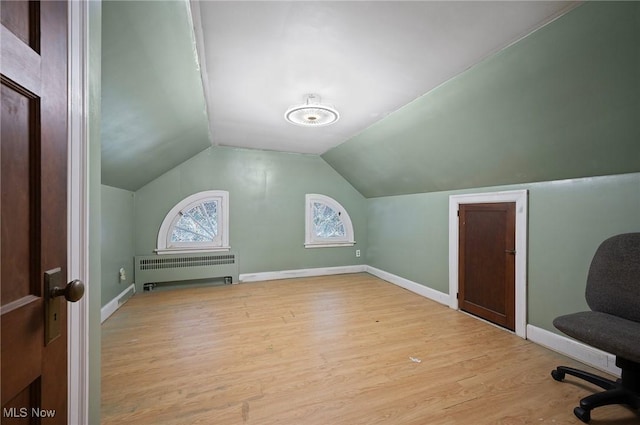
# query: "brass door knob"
[[72, 292]]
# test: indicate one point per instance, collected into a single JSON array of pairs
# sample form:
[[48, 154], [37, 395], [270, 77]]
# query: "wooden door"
[[487, 262], [33, 208]]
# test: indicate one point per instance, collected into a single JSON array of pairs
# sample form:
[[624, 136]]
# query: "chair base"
[[625, 390]]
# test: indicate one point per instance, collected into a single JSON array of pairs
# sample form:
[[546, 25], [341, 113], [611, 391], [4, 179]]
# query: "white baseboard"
[[116, 303], [576, 350], [427, 292], [571, 348], [563, 345], [289, 274], [412, 286]]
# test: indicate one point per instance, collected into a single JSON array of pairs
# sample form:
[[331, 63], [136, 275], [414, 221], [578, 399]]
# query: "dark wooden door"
[[487, 262], [33, 208]]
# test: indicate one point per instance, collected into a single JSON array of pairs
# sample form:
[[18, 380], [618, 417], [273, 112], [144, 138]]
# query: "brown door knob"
[[72, 292]]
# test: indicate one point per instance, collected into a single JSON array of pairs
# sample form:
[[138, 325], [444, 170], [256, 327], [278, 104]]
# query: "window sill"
[[328, 244], [184, 250]]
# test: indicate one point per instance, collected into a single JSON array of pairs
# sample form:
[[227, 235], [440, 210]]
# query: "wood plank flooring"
[[336, 350]]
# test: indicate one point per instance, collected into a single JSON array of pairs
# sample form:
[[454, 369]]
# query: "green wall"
[[562, 103], [153, 107], [117, 246], [267, 203], [408, 236], [567, 222]]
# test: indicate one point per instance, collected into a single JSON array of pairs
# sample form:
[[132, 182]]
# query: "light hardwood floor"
[[337, 350]]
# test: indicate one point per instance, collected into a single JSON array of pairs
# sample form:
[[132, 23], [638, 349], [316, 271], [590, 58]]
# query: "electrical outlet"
[[357, 252]]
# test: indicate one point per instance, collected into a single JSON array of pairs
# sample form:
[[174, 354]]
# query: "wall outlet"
[[357, 252]]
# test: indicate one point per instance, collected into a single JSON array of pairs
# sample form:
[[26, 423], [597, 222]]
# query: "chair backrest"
[[613, 283]]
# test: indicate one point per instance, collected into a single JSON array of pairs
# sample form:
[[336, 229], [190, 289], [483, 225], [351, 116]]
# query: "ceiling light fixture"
[[312, 113]]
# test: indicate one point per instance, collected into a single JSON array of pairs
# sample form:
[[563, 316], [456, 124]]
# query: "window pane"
[[199, 224], [327, 222], [199, 216], [180, 235], [211, 210]]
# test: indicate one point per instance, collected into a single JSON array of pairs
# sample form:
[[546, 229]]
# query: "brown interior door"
[[487, 262], [33, 208]]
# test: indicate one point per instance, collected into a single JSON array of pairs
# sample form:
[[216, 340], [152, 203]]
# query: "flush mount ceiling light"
[[312, 113]]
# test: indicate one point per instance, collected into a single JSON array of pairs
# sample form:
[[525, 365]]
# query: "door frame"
[[520, 197], [78, 213]]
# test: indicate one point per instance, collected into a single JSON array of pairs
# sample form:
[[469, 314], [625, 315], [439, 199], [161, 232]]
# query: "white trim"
[[182, 250], [327, 245], [561, 344], [78, 215], [520, 198], [310, 238], [576, 350], [289, 274], [221, 241], [410, 285], [115, 304], [417, 288]]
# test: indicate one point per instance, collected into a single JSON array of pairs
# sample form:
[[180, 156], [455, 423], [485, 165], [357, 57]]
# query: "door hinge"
[[457, 295]]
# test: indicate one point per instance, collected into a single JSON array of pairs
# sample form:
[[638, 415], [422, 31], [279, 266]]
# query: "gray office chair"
[[612, 325]]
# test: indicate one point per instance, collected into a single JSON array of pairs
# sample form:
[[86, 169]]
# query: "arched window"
[[327, 223], [199, 222]]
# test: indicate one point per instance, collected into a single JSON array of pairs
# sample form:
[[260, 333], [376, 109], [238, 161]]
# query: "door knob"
[[72, 291], [53, 288]]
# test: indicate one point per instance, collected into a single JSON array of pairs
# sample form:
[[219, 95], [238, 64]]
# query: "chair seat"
[[612, 334]]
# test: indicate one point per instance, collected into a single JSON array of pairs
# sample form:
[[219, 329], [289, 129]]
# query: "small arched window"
[[327, 223], [199, 222]]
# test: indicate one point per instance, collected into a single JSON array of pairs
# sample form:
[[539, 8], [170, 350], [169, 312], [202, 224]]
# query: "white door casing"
[[520, 197], [78, 213]]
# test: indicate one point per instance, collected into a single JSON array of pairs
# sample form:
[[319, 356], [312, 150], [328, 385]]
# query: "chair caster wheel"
[[557, 374], [582, 414]]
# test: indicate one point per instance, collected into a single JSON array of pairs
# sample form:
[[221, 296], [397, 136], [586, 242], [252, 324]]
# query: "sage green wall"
[[153, 108], [117, 245], [267, 203], [93, 286], [567, 222], [562, 103], [408, 236]]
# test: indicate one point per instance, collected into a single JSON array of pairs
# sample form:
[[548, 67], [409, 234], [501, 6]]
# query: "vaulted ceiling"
[[366, 58], [430, 93], [153, 109]]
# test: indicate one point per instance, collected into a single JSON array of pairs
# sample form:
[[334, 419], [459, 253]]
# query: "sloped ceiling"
[[153, 109], [563, 103], [367, 58], [433, 95]]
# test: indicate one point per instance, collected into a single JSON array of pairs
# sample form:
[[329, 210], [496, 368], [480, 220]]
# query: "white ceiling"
[[366, 58]]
